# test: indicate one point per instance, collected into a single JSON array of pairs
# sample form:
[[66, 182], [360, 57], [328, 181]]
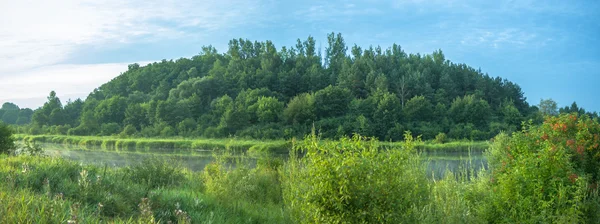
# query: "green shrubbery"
[[547, 173], [353, 181]]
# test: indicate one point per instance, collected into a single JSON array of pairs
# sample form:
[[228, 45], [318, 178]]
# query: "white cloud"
[[38, 37], [497, 38], [30, 88], [39, 33]]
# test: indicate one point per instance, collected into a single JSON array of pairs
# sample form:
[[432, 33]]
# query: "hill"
[[255, 90]]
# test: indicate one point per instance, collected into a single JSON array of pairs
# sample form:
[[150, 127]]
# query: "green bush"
[[547, 174], [352, 181], [256, 185], [129, 130], [441, 138]]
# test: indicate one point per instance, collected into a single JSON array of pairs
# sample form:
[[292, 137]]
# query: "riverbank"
[[199, 146]]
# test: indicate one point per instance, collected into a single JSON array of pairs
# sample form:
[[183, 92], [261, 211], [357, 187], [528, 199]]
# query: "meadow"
[[544, 174]]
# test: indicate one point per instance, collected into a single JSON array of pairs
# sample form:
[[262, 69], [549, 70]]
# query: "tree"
[[10, 116], [418, 109], [332, 101], [269, 109], [548, 107], [7, 143], [387, 115], [300, 109], [51, 113]]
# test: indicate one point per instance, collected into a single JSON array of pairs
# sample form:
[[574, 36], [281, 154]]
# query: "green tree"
[[7, 142], [269, 109], [418, 109], [387, 115], [332, 101], [44, 116], [300, 109], [548, 107]]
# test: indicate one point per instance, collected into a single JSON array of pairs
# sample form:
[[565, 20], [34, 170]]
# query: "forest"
[[256, 91]]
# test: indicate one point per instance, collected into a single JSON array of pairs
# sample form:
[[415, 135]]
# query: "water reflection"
[[438, 163]]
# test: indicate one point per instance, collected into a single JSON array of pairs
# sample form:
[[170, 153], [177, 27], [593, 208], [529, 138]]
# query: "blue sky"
[[550, 48]]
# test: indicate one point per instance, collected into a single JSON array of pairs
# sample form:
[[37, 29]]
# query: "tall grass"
[[195, 146]]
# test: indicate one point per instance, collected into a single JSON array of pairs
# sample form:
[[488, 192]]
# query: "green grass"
[[185, 146], [54, 190], [156, 145]]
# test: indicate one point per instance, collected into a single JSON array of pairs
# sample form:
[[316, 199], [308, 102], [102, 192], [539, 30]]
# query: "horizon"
[[549, 50]]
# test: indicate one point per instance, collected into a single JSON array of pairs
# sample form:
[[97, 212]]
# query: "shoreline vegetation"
[[545, 174], [198, 145]]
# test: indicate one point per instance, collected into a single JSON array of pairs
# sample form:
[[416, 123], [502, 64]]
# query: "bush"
[[547, 174], [352, 181], [441, 138], [257, 185], [129, 130]]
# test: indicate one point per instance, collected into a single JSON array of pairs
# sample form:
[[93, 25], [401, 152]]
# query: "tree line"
[[258, 91]]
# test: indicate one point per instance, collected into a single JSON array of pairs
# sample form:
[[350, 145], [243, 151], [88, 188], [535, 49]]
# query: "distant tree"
[[45, 115], [418, 109], [25, 116], [548, 107], [269, 109], [7, 142], [300, 109], [9, 106], [10, 116], [332, 101], [387, 115]]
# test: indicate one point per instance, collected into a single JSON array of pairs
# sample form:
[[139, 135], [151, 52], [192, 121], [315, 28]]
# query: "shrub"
[[547, 174], [352, 181], [129, 130], [256, 185], [441, 138]]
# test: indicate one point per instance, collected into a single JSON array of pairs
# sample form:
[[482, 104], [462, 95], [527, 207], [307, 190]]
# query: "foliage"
[[547, 173], [353, 181], [441, 138], [7, 144], [255, 185], [253, 84]]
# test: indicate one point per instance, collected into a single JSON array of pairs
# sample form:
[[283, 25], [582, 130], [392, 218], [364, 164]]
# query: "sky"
[[550, 48]]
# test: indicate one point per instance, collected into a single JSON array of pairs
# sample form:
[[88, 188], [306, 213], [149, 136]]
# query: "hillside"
[[255, 90]]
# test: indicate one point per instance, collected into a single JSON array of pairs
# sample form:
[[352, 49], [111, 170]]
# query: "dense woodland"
[[255, 90]]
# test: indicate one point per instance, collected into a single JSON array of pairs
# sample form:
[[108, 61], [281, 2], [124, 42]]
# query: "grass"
[[198, 146], [53, 190]]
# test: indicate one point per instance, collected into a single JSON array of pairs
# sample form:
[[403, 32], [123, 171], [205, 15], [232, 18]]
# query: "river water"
[[438, 163]]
